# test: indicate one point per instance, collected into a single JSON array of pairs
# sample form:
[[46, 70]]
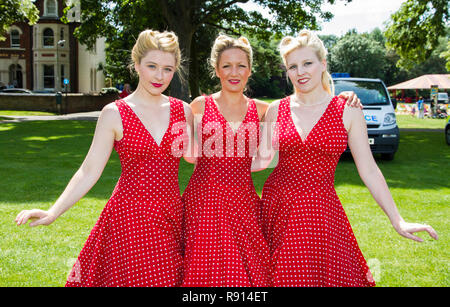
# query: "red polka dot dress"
[[310, 238], [224, 246], [137, 240]]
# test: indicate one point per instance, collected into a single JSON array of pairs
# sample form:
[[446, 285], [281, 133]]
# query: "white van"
[[442, 98], [379, 112]]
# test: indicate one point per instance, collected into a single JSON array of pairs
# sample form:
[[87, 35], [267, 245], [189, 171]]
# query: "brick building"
[[41, 56]]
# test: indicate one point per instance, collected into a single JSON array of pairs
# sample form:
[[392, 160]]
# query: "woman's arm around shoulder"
[[198, 106], [189, 150], [267, 149]]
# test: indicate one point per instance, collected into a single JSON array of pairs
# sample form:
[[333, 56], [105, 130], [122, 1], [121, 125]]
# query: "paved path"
[[90, 116]]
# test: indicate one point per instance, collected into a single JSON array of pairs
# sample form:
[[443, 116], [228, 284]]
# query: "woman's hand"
[[39, 217], [408, 229], [351, 99]]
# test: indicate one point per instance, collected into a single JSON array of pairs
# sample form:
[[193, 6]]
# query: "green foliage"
[[16, 11], [359, 55], [414, 30], [267, 69], [329, 40], [446, 55], [196, 23], [109, 90], [365, 54]]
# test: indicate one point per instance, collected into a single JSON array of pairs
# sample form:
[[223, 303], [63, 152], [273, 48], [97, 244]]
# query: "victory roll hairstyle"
[[224, 42], [309, 39], [149, 40]]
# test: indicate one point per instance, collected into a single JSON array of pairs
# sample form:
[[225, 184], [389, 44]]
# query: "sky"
[[363, 15]]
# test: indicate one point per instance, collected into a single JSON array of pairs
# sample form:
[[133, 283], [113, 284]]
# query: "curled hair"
[[309, 39], [224, 42], [149, 40]]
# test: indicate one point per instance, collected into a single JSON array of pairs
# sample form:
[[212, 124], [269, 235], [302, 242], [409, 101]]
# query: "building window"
[[49, 40], [15, 39], [61, 34], [15, 75], [51, 8], [49, 76]]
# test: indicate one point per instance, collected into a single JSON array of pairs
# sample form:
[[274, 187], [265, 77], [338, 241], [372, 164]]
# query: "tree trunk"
[[179, 17], [179, 87], [194, 83]]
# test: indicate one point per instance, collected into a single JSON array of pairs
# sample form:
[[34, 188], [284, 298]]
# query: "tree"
[[267, 72], [360, 55], [414, 30], [189, 18], [446, 55], [329, 40], [16, 11]]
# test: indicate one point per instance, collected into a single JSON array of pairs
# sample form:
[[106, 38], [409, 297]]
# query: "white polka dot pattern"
[[310, 238], [137, 241], [225, 246]]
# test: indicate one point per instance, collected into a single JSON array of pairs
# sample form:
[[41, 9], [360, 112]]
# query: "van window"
[[370, 93]]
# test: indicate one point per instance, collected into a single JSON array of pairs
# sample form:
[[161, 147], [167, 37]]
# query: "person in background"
[[420, 107], [126, 91]]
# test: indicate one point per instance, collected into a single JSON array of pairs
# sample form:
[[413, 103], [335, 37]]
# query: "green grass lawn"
[[25, 113], [39, 158], [408, 121]]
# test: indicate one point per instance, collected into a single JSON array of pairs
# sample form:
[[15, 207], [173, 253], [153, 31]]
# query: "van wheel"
[[388, 156]]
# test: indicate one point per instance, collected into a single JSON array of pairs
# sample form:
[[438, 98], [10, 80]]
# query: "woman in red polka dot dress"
[[224, 243], [310, 238], [137, 241]]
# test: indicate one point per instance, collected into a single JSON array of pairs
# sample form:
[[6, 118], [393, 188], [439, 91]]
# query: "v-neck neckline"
[[223, 117], [315, 125], [145, 128]]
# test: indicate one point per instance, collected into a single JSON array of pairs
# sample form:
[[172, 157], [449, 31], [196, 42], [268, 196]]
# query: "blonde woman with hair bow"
[[224, 241], [137, 241], [310, 238], [224, 244]]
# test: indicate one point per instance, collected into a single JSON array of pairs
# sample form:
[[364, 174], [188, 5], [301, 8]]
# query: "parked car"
[[16, 90], [447, 132], [379, 113], [443, 98], [44, 92]]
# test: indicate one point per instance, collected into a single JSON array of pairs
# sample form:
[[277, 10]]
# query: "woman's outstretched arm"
[[86, 176], [373, 178]]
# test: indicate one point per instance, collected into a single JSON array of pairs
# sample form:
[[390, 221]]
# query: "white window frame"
[[11, 38], [46, 12], [43, 39], [48, 76]]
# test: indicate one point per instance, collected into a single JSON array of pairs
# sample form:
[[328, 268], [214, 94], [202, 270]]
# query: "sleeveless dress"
[[224, 244], [137, 240], [310, 238]]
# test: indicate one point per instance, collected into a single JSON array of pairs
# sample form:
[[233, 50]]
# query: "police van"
[[379, 112]]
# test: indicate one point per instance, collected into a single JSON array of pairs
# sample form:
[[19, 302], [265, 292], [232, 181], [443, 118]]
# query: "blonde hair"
[[224, 42], [149, 40], [309, 39]]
